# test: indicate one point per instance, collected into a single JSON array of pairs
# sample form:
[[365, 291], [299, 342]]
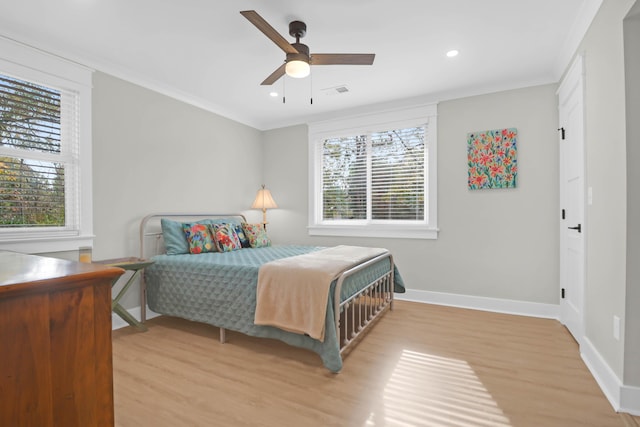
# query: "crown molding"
[[579, 28]]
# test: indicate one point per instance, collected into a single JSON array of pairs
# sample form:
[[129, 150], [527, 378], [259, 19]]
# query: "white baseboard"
[[117, 322], [608, 381], [522, 308], [622, 397]]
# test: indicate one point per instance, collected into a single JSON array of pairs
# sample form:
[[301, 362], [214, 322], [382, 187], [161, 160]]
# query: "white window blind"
[[398, 174], [38, 156], [378, 176], [344, 178]]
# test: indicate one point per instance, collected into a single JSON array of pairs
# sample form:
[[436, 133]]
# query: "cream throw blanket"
[[292, 292]]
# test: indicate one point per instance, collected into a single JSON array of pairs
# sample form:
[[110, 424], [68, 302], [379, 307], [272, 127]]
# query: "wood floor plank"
[[421, 365]]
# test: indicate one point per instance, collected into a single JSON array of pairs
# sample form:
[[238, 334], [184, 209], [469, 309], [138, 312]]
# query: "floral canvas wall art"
[[492, 158]]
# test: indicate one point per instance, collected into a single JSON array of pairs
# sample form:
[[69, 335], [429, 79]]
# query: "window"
[[375, 175], [37, 164], [45, 122], [392, 161]]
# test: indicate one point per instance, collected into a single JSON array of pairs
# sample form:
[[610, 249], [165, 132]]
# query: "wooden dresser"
[[55, 342]]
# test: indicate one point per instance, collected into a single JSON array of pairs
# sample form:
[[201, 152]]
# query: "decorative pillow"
[[174, 239], [225, 237], [256, 234], [244, 240], [199, 238]]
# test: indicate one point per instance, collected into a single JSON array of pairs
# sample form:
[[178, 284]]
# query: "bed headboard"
[[151, 241]]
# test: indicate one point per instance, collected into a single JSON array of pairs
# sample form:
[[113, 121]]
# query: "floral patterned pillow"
[[257, 235], [225, 237], [199, 238], [244, 240]]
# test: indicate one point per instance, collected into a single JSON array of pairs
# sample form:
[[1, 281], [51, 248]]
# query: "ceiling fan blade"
[[342, 58], [274, 76], [268, 30]]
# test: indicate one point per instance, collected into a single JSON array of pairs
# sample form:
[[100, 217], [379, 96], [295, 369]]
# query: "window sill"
[[387, 232], [35, 245]]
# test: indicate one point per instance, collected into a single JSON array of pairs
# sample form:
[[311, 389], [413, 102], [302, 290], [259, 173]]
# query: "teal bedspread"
[[220, 289]]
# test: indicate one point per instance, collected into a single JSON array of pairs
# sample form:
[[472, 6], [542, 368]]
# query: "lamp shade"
[[264, 200]]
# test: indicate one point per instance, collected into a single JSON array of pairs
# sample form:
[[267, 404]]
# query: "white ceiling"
[[206, 53]]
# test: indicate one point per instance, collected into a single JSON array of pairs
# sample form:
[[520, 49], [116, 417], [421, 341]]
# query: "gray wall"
[[152, 153], [606, 218], [632, 318], [493, 243]]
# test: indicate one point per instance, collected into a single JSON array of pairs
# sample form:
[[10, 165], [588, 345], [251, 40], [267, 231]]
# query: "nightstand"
[[133, 264]]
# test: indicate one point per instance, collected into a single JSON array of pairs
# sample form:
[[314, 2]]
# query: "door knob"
[[579, 228]]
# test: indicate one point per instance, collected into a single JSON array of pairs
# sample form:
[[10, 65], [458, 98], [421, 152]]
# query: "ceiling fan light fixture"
[[298, 68], [298, 63]]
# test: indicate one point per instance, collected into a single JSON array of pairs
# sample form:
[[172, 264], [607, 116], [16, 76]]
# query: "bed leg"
[[223, 335]]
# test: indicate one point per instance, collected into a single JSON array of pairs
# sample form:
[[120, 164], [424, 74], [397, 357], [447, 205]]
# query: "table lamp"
[[264, 201]]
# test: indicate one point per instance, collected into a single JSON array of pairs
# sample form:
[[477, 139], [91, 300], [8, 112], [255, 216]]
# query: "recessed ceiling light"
[[452, 53], [273, 94]]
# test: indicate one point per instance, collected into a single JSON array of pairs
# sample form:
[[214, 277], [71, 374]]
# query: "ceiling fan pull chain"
[[311, 88], [284, 86]]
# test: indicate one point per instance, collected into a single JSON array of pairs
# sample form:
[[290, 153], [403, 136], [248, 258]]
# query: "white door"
[[572, 189]]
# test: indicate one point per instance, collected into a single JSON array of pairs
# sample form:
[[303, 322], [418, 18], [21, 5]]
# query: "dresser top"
[[27, 273]]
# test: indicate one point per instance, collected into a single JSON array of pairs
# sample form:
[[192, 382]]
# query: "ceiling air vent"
[[336, 90]]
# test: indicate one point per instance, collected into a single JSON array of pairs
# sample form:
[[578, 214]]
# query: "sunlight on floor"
[[427, 390]]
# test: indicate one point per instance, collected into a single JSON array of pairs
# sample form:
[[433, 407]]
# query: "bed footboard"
[[355, 314]]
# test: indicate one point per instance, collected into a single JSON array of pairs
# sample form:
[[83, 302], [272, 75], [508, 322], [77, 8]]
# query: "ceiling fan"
[[298, 60]]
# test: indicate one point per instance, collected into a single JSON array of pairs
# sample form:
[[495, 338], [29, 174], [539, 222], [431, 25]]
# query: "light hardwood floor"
[[421, 365]]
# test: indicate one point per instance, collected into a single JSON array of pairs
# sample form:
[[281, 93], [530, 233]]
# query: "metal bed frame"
[[353, 316]]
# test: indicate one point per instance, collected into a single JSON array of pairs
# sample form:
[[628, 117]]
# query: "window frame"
[[26, 63], [364, 124]]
